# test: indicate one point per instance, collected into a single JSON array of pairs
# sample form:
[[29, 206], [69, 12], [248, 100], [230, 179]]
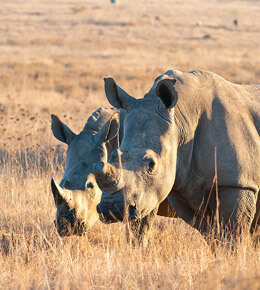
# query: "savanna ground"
[[53, 56]]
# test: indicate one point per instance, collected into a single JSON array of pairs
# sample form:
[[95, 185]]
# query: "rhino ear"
[[61, 131], [169, 72], [109, 130], [116, 96], [166, 92]]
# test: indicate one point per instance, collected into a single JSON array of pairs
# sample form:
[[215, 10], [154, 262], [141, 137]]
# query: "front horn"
[[60, 195], [107, 177]]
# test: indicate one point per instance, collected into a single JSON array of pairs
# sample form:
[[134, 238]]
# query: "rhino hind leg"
[[138, 231]]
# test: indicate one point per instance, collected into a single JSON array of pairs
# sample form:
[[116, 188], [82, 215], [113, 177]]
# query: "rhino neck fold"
[[196, 93]]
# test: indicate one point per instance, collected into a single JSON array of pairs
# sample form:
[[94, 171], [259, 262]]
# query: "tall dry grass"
[[53, 57], [32, 255]]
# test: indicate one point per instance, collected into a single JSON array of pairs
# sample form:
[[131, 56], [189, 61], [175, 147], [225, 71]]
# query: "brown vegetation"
[[53, 57]]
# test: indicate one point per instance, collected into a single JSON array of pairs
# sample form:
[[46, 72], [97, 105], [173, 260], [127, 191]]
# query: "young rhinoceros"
[[77, 195], [195, 140]]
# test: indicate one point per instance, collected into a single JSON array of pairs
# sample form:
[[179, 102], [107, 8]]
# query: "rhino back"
[[217, 120]]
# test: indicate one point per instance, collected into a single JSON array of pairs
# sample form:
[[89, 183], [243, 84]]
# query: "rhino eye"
[[90, 185], [150, 164]]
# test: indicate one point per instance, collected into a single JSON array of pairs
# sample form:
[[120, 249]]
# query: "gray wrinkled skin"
[[190, 128], [77, 195]]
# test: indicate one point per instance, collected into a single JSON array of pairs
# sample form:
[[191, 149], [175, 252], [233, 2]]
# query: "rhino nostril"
[[90, 185], [133, 212]]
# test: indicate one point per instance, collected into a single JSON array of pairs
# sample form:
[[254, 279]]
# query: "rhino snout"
[[63, 227], [66, 228]]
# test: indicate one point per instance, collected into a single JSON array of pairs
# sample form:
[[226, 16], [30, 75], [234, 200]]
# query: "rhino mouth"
[[66, 229]]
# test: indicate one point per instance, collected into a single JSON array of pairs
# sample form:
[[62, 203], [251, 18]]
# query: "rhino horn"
[[60, 195], [107, 177]]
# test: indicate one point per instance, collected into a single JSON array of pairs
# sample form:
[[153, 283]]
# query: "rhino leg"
[[255, 228], [199, 220], [138, 231], [256, 222], [166, 210], [233, 215], [236, 211]]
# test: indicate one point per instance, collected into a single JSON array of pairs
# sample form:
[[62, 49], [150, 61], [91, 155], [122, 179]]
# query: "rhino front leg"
[[138, 231], [235, 212], [201, 220], [231, 216], [256, 222]]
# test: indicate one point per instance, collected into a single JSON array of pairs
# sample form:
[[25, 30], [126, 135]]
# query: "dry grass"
[[53, 57]]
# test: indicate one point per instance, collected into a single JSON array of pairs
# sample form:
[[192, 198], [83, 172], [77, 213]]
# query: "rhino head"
[[78, 194], [143, 169], [76, 209]]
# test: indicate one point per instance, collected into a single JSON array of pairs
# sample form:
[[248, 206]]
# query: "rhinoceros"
[[77, 195], [193, 139]]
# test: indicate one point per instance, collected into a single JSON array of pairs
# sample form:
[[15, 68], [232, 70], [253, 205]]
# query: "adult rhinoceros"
[[194, 138], [77, 195]]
